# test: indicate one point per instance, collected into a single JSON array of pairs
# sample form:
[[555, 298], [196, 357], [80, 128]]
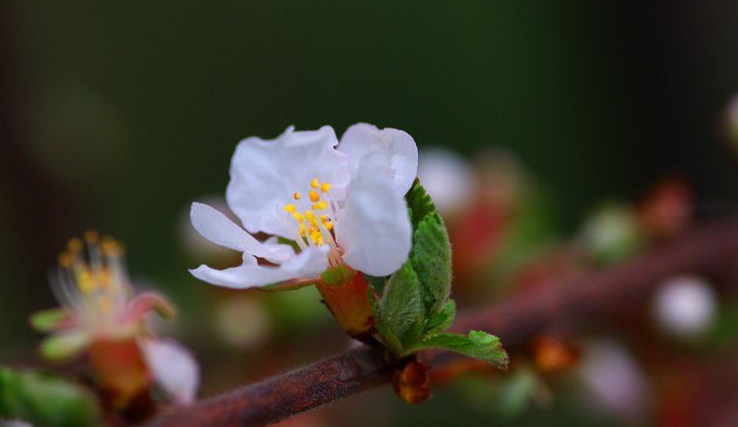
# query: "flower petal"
[[265, 174], [220, 230], [145, 303], [390, 147], [374, 227], [174, 369], [307, 264]]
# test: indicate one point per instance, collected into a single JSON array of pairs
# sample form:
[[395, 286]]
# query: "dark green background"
[[118, 114]]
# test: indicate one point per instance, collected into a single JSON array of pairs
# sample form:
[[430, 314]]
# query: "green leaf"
[[442, 320], [419, 290], [48, 320], [401, 310], [431, 260], [390, 340], [45, 400], [419, 203], [479, 345]]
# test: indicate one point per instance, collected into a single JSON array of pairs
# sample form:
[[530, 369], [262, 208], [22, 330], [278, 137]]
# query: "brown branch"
[[710, 250]]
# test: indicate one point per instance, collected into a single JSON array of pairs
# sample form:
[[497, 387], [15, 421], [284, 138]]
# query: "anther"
[[290, 208], [91, 237], [314, 196], [314, 183], [75, 244], [65, 259], [298, 216], [325, 187], [320, 205], [296, 196], [310, 216]]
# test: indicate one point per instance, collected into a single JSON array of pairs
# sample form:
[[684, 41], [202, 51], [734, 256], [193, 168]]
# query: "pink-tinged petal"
[[393, 148], [220, 230], [308, 264], [144, 303], [266, 173], [64, 346], [174, 369], [374, 228], [53, 320]]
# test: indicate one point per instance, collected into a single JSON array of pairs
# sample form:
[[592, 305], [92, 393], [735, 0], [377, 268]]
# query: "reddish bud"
[[411, 382]]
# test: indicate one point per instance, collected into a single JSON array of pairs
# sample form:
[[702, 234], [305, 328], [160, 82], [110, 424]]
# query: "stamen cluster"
[[314, 224], [91, 279]]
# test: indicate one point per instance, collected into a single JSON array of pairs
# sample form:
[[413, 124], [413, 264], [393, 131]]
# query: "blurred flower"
[[685, 307], [447, 178], [611, 234], [340, 206], [94, 291], [666, 209], [501, 177], [100, 316], [241, 321], [616, 382], [174, 369], [553, 354]]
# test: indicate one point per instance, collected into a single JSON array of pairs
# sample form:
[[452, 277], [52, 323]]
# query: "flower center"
[[314, 224], [93, 281]]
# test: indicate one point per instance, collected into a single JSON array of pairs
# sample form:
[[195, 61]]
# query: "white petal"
[[308, 264], [266, 173], [374, 227], [220, 230], [390, 147], [174, 369]]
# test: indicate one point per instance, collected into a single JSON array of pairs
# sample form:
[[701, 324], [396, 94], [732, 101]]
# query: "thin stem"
[[710, 250]]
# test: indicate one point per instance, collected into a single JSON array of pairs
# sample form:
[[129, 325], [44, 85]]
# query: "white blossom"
[[341, 204]]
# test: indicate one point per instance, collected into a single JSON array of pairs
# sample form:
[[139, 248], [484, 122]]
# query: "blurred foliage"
[[45, 400]]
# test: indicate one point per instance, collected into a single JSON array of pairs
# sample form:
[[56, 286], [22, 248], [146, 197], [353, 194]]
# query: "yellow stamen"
[[316, 236], [314, 183], [298, 216], [296, 196], [85, 282], [302, 230], [290, 208], [310, 216], [65, 259], [110, 247], [328, 225], [325, 187], [91, 237], [75, 244], [320, 205], [314, 196]]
